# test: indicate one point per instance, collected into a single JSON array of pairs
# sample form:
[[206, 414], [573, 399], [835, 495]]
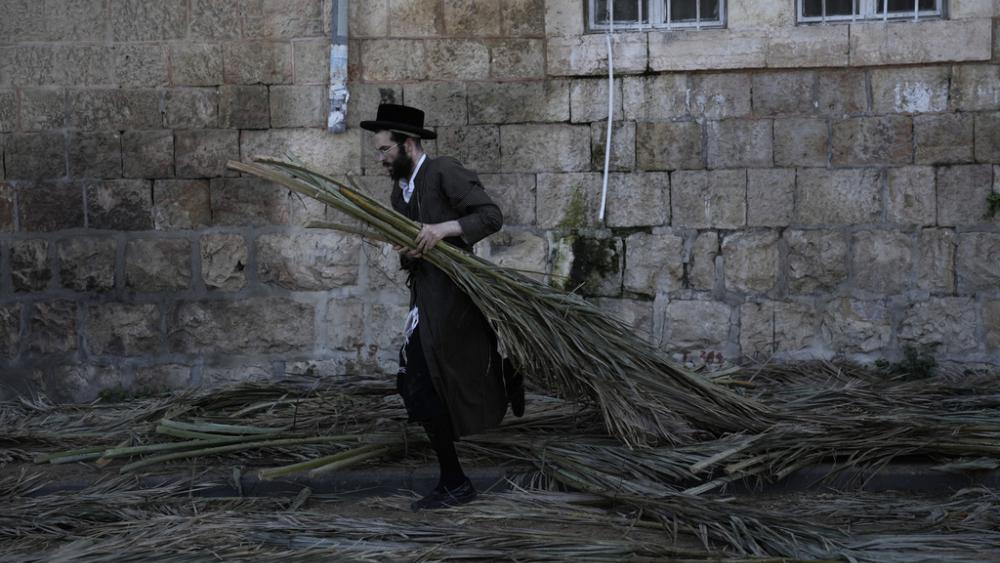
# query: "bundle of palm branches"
[[566, 344]]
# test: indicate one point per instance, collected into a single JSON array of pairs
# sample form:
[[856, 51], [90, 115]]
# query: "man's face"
[[393, 156]]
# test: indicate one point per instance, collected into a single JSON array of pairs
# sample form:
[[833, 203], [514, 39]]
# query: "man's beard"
[[402, 167]]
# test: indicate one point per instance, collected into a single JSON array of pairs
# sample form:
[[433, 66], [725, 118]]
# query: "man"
[[451, 377]]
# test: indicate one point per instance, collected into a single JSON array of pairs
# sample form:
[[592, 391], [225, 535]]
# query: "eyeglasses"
[[382, 152]]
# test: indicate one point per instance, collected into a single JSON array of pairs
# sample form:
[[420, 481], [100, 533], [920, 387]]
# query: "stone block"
[[583, 55], [10, 331], [740, 143], [471, 18], [946, 324], [8, 109], [720, 96], [991, 322], [87, 263], [444, 103], [653, 263], [476, 146], [978, 262], [257, 62], [563, 18], [784, 93], [74, 20], [910, 90], [415, 18], [817, 260], [943, 138], [140, 65], [588, 100], [283, 19], [707, 49], [41, 109], [961, 194], [590, 265], [181, 204], [312, 61], [192, 108], [384, 272], [264, 325], [317, 149], [568, 201], [29, 65], [517, 59], [515, 102], [223, 261], [669, 146], [936, 260], [120, 205], [832, 197], [775, 328], [345, 318], [701, 260], [808, 46], [95, 154], [801, 142], [158, 264], [226, 373], [81, 65], [298, 106], [694, 326], [8, 209], [545, 148], [114, 110], [51, 206], [638, 200], [750, 260], [988, 137], [148, 154], [853, 326], [523, 17], [244, 107], [622, 146], [123, 329], [368, 19], [52, 328], [882, 261], [162, 377], [391, 60], [29, 265], [522, 251], [32, 156], [841, 92], [975, 87], [924, 42], [712, 199], [214, 19], [770, 197], [636, 315], [139, 20], [910, 196], [657, 97], [302, 211], [248, 201], [204, 153], [196, 64], [310, 262], [515, 194], [873, 140], [962, 9], [385, 327]]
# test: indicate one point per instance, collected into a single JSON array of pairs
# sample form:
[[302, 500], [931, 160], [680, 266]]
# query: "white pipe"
[[611, 113], [336, 121]]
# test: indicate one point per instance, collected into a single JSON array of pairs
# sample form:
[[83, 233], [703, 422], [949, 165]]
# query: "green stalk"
[[124, 452], [47, 458], [187, 434], [350, 461], [235, 448], [215, 428], [314, 463]]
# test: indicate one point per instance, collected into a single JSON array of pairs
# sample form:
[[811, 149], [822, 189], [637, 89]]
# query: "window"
[[852, 10], [663, 14]]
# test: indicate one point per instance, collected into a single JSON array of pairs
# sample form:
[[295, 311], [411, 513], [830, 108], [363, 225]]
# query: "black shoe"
[[514, 382], [443, 497]]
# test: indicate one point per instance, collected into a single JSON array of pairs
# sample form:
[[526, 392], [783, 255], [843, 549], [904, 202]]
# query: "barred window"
[[853, 10], [662, 14]]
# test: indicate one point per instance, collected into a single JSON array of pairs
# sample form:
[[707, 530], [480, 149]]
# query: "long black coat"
[[458, 343]]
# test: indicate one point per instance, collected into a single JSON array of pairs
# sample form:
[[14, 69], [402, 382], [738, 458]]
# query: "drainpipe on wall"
[[611, 99], [337, 118]]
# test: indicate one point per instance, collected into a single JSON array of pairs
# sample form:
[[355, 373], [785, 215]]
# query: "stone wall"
[[776, 190]]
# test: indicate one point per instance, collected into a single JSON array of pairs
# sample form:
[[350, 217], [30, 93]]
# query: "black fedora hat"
[[399, 119]]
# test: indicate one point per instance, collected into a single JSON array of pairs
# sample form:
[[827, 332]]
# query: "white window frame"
[[659, 17], [866, 10]]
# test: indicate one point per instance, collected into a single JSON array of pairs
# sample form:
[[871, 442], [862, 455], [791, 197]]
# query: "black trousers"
[[414, 383]]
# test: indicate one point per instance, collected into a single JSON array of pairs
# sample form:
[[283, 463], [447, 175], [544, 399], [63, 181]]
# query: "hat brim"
[[400, 127]]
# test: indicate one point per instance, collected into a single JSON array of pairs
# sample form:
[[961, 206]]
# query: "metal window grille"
[[821, 11], [659, 14]]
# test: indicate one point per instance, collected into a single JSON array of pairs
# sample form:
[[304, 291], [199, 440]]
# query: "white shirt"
[[407, 187]]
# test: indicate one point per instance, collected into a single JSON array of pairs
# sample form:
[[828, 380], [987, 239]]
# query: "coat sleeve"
[[478, 216]]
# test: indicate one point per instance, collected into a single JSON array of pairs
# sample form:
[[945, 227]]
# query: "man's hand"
[[429, 236]]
